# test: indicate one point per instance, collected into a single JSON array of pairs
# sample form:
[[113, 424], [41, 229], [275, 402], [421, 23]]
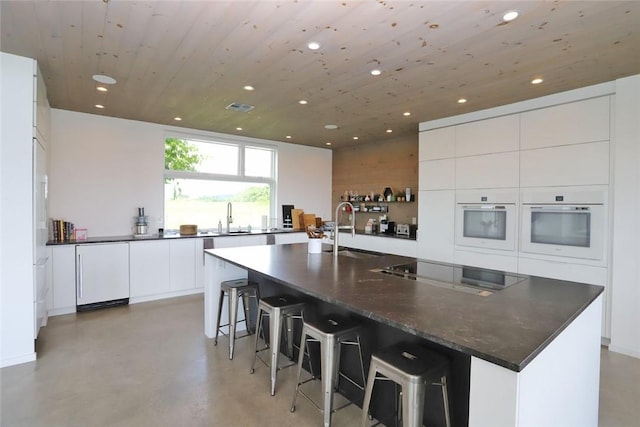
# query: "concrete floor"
[[151, 365]]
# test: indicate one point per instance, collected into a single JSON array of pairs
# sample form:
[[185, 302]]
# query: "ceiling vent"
[[243, 108]]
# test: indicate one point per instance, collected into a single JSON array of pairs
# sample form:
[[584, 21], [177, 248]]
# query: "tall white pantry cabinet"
[[24, 132]]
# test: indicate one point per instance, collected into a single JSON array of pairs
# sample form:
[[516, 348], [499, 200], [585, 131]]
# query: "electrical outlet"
[[413, 220]]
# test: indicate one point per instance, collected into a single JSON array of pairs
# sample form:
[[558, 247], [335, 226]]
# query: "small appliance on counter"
[[391, 227], [384, 223], [141, 224], [402, 230]]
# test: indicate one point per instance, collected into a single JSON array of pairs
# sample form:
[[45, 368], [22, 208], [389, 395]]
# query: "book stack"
[[62, 230]]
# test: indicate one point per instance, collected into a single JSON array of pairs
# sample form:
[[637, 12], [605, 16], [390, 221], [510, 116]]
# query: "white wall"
[[625, 278], [103, 168]]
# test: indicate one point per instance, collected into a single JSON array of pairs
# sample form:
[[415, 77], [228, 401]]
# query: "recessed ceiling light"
[[331, 127], [101, 89], [288, 136], [302, 101], [389, 130], [99, 106], [462, 100], [177, 119], [327, 143], [238, 128], [249, 88], [536, 81], [434, 26], [313, 45], [510, 15], [104, 79], [376, 72], [355, 137], [406, 113]]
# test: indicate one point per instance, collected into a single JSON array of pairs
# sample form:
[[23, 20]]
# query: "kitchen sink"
[[238, 232], [355, 253]]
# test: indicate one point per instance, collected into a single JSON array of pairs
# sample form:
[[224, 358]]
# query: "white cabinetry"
[[102, 272], [63, 279], [237, 241], [283, 238], [183, 264], [573, 123], [437, 175], [495, 135], [436, 213], [578, 164], [149, 268], [199, 261], [437, 144], [23, 256], [388, 245], [42, 113], [487, 171]]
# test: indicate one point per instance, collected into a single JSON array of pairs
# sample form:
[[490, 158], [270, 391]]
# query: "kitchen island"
[[533, 344]]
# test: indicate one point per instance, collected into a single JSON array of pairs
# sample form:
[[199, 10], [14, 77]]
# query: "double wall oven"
[[486, 219], [565, 222]]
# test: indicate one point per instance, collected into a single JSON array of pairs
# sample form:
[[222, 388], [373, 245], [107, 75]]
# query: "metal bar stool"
[[234, 290], [412, 367], [331, 332], [277, 308]]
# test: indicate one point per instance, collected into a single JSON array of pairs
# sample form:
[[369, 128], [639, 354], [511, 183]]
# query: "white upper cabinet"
[[579, 164], [436, 213], [487, 171], [495, 135], [437, 144], [574, 123], [42, 112], [437, 175]]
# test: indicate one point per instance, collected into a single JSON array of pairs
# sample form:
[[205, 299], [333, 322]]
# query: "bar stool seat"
[[411, 367], [234, 290], [331, 332], [281, 311]]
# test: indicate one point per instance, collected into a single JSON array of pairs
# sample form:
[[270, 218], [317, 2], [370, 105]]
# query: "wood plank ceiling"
[[191, 59]]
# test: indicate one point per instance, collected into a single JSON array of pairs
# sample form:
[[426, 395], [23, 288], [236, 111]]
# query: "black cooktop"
[[481, 281]]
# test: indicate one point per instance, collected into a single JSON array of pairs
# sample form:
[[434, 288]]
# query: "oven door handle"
[[485, 207], [565, 209]]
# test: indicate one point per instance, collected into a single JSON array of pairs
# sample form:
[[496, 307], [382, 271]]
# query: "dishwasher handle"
[[79, 277]]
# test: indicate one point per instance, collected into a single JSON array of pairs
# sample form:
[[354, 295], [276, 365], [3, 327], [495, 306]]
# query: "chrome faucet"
[[229, 217], [337, 227]]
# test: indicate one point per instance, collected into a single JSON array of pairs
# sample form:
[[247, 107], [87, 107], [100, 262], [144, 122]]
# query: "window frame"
[[242, 144]]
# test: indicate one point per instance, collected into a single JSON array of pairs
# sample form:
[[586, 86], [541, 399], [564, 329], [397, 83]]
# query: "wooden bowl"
[[189, 229]]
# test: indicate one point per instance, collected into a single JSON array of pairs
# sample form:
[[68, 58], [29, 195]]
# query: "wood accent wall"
[[374, 166]]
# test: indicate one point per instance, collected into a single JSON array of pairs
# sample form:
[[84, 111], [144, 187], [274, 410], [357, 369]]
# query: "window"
[[202, 176]]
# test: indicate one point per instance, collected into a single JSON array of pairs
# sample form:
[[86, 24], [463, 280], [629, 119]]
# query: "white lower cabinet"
[[102, 272], [63, 280], [149, 268], [492, 260], [284, 238], [182, 264], [436, 213], [238, 241], [387, 245]]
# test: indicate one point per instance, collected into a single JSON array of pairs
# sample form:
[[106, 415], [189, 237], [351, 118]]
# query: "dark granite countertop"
[[167, 236], [509, 327], [176, 235]]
